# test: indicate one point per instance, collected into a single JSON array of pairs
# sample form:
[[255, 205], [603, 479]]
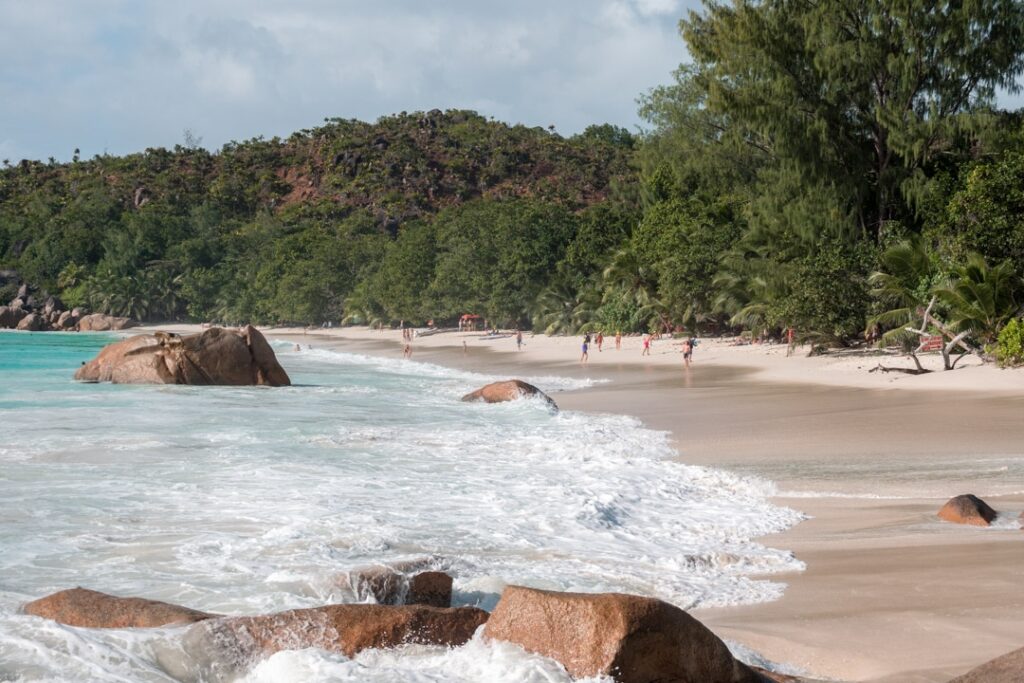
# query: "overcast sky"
[[122, 75]]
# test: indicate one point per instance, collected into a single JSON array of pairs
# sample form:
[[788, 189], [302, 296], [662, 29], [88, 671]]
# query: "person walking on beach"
[[647, 346], [585, 356], [465, 349], [600, 340], [519, 340], [618, 340]]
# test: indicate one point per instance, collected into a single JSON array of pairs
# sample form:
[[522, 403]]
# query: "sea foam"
[[251, 500]]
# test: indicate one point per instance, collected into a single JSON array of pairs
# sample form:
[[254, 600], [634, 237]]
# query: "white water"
[[251, 500]]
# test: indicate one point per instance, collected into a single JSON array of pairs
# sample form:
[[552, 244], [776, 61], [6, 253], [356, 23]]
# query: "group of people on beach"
[[688, 345], [599, 342]]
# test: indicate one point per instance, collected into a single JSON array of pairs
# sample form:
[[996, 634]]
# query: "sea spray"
[[253, 500]]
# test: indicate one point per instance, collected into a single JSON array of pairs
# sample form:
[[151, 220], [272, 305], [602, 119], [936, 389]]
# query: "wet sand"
[[890, 593]]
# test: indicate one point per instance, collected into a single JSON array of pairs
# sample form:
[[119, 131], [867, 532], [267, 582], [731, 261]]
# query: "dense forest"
[[838, 169]]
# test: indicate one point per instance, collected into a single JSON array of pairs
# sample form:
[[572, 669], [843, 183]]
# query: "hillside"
[[176, 233]]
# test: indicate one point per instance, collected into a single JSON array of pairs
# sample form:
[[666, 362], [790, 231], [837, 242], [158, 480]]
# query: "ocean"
[[253, 500]]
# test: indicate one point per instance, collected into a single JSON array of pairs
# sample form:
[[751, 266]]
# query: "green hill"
[[289, 229]]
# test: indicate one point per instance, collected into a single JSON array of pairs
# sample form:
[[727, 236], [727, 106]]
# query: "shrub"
[[1010, 343]]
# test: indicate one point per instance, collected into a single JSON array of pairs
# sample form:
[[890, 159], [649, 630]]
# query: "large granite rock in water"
[[967, 509], [214, 356], [101, 322], [92, 609], [1008, 668], [347, 629], [632, 638], [508, 390]]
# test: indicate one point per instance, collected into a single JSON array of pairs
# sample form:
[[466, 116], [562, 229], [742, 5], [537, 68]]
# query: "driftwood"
[[955, 340], [909, 371]]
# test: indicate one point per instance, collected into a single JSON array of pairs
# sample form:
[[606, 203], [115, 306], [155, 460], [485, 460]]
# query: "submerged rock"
[[634, 639], [400, 584], [213, 357], [101, 322], [508, 390], [967, 509], [348, 629], [92, 609]]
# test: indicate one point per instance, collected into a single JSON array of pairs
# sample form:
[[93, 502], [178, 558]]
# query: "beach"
[[889, 592]]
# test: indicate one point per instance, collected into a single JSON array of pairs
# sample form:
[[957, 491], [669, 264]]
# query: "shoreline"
[[890, 593]]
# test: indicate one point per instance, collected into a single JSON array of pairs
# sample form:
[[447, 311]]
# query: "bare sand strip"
[[890, 593]]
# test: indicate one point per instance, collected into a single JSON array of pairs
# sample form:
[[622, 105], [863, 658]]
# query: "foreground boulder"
[[1008, 668], [508, 390], [213, 357], [967, 509], [101, 322], [400, 584], [632, 638], [92, 609], [347, 629]]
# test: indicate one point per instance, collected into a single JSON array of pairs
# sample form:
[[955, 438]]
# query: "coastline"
[[889, 593]]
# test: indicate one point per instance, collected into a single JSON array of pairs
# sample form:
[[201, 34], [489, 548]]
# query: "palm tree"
[[629, 274], [981, 299], [561, 309], [903, 287]]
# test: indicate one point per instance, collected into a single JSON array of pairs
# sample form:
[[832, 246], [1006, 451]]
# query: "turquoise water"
[[245, 500]]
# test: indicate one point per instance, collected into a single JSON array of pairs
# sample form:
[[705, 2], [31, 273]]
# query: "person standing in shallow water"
[[618, 340], [585, 356], [407, 352], [687, 351]]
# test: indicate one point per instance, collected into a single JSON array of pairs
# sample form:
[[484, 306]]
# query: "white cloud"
[[118, 75]]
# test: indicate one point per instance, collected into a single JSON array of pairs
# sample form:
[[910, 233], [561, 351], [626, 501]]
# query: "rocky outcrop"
[[48, 311], [1008, 668], [632, 638], [101, 322], [399, 584], [213, 357], [508, 390], [967, 509], [92, 609], [347, 629]]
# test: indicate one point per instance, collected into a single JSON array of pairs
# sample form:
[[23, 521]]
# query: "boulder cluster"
[[631, 638], [36, 311]]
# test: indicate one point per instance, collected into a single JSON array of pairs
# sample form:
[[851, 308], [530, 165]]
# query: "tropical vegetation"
[[833, 171]]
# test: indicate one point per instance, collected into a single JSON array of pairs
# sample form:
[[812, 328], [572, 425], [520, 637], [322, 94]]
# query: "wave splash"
[[246, 501]]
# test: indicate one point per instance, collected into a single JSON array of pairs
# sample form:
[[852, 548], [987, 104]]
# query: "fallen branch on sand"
[[909, 371]]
